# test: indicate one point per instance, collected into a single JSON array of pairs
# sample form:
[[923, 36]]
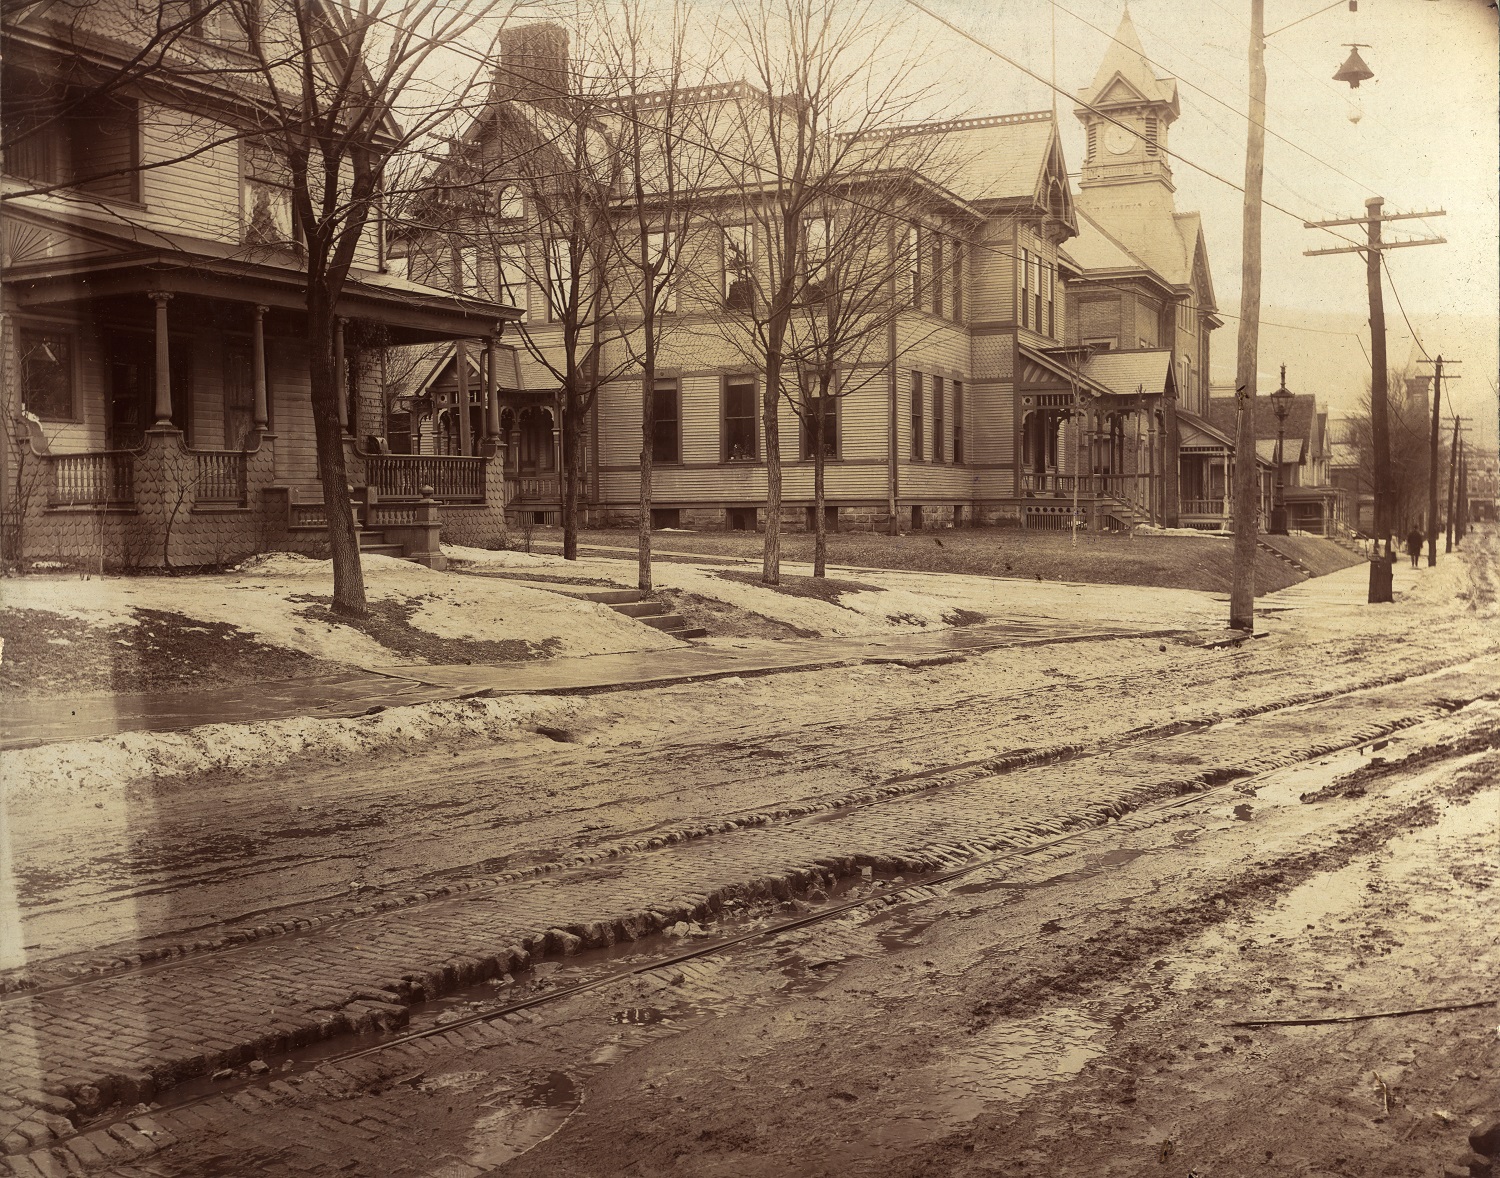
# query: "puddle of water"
[[523, 1120], [1012, 1058]]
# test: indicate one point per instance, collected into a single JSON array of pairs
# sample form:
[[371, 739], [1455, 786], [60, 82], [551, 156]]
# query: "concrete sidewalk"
[[48, 721]]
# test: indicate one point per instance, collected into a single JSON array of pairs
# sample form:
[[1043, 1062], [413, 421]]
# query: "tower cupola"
[[1126, 111]]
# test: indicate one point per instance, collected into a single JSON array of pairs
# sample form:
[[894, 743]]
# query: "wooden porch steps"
[[373, 543]]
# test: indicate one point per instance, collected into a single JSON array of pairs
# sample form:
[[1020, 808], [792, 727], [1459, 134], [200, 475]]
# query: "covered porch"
[[1094, 434], [162, 411]]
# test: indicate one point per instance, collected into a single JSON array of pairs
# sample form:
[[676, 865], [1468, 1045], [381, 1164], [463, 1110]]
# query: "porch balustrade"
[[1203, 507], [221, 476], [102, 479], [530, 488], [1128, 488], [453, 478]]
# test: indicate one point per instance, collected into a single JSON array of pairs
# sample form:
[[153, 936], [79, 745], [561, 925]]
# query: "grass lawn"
[[1176, 562]]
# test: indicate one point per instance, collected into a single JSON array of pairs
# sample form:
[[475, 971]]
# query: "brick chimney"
[[533, 62]]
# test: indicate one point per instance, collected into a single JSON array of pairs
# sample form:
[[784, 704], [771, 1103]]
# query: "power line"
[[1030, 73]]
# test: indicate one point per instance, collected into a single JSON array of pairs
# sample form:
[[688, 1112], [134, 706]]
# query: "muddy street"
[[1116, 906]]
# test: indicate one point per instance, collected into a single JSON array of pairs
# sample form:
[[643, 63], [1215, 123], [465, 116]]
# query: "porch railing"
[[453, 478], [1129, 488], [102, 479], [1203, 507], [221, 476], [530, 489]]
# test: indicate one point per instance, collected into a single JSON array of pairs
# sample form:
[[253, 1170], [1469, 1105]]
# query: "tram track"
[[453, 883], [891, 901]]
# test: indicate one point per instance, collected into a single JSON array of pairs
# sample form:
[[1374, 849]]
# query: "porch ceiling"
[[128, 261]]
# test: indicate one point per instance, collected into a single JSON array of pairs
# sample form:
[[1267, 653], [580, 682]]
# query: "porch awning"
[[1197, 436], [100, 259], [1104, 374]]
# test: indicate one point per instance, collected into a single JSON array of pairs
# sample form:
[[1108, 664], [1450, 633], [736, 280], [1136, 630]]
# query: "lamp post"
[[1281, 404]]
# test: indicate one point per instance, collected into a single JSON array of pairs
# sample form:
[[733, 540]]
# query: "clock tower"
[[1126, 112]]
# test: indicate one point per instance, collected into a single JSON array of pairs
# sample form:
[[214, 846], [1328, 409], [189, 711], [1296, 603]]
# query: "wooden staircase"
[[1120, 516]]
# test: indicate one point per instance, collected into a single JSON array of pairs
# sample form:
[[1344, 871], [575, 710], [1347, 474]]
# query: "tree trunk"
[[770, 572], [343, 538], [648, 436], [570, 438], [820, 531]]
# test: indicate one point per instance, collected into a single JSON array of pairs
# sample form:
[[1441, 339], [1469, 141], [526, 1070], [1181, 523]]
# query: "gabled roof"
[[1200, 434], [1003, 157], [1301, 419], [1125, 76], [1148, 371]]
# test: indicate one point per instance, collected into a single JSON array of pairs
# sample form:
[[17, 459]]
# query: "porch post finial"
[[163, 360], [493, 421], [258, 368], [340, 377]]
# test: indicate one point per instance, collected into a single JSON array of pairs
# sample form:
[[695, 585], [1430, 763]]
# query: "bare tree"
[[668, 158], [829, 80], [339, 94], [864, 250], [334, 82]]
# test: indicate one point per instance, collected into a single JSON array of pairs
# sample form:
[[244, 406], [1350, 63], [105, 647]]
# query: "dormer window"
[[214, 21]]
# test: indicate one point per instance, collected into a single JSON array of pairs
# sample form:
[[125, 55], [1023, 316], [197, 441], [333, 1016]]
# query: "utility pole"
[[1461, 508], [1452, 471], [1247, 356], [1380, 570], [1432, 461]]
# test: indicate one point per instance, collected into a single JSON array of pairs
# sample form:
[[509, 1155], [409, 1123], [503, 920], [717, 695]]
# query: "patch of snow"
[[1152, 530]]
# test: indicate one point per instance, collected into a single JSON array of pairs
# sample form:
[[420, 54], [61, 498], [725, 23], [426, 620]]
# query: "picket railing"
[[221, 476]]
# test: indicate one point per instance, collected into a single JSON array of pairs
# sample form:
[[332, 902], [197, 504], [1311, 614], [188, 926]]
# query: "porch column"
[[1228, 466], [258, 368], [163, 360], [1151, 470], [340, 376], [492, 422], [461, 375]]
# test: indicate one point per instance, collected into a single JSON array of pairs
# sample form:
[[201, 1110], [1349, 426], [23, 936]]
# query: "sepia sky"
[[1426, 140]]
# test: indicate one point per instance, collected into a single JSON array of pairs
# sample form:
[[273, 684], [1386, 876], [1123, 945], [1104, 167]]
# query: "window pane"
[[560, 273], [958, 421], [739, 261], [830, 426], [47, 374], [740, 434], [917, 448], [937, 418], [664, 437]]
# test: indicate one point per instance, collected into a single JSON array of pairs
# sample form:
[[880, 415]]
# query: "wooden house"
[[156, 397]]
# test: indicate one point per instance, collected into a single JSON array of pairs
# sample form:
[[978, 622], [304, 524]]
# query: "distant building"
[[1312, 500]]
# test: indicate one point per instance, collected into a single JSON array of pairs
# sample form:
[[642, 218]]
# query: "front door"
[[130, 368]]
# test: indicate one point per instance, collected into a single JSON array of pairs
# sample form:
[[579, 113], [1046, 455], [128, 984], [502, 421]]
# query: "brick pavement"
[[127, 1036]]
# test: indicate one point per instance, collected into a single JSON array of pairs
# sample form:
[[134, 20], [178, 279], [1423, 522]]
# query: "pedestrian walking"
[[1414, 540]]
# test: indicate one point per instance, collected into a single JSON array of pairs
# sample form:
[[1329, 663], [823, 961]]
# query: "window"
[[937, 419], [815, 258], [917, 448], [937, 274], [914, 266], [958, 421], [266, 200], [47, 373], [510, 263], [812, 405], [739, 267], [1101, 343], [559, 277], [466, 275], [666, 440], [208, 20], [1025, 315], [1050, 290], [740, 434], [659, 254], [1036, 292], [956, 269], [88, 143], [1150, 136], [510, 205]]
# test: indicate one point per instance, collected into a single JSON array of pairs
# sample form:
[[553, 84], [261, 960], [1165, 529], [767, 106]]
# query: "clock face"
[[1118, 140]]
